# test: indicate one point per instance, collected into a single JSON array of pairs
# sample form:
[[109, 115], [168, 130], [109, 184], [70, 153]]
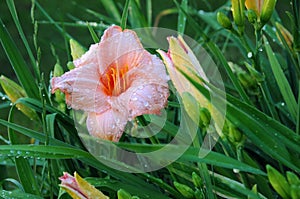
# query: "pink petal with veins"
[[82, 88], [108, 125]]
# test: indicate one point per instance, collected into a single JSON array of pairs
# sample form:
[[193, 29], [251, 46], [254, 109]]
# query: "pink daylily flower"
[[115, 81]]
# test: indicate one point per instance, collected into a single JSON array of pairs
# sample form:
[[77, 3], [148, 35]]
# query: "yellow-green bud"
[[205, 117], [70, 65], [234, 134], [254, 190], [246, 79], [288, 37], [292, 178], [185, 190], [267, 10], [278, 182], [76, 49], [14, 91], [122, 194], [197, 180], [238, 7], [252, 16], [58, 70], [224, 21], [295, 191], [198, 194]]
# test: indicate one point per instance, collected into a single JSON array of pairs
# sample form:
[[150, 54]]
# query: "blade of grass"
[[181, 17], [125, 14], [149, 12], [298, 113], [18, 63], [12, 9], [282, 82], [111, 9], [61, 30], [93, 34], [17, 194], [23, 168]]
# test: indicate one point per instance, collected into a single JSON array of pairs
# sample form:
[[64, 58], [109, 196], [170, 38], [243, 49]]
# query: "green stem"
[[244, 179]]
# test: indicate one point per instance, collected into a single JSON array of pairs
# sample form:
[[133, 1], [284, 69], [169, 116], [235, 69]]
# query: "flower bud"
[[267, 10], [288, 38], [14, 91], [199, 194], [238, 12], [295, 191], [197, 180], [76, 49], [252, 16], [185, 190], [205, 117], [58, 70], [292, 178], [224, 21], [122, 194], [234, 135], [278, 182], [70, 65], [77, 187]]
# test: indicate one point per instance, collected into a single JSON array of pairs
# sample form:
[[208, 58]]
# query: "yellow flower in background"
[[78, 188]]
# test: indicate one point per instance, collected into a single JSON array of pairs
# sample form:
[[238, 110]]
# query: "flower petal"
[[108, 125], [118, 48], [82, 88], [148, 91], [90, 57]]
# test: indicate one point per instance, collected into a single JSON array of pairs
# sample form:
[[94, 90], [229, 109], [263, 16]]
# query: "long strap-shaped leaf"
[[282, 82], [17, 61]]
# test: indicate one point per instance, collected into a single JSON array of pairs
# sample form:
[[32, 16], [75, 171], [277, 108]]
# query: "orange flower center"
[[114, 80]]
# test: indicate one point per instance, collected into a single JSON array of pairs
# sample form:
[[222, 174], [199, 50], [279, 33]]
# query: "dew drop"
[[236, 171], [146, 103], [134, 99], [249, 55], [10, 104], [260, 49], [282, 104], [3, 98]]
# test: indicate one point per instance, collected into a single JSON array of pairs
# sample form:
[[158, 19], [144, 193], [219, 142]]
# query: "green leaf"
[[12, 9], [282, 82], [125, 14], [181, 17], [111, 9], [17, 194], [18, 63], [93, 34]]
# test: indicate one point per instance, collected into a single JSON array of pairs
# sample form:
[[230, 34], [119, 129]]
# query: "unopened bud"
[[70, 65], [267, 10], [234, 135], [292, 178], [238, 12], [288, 38], [205, 117], [199, 194], [197, 180], [58, 70], [278, 182], [122, 194], [14, 91], [295, 191], [76, 49], [224, 21], [185, 190]]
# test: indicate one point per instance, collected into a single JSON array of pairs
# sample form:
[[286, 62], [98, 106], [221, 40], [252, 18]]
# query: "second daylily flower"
[[115, 81]]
